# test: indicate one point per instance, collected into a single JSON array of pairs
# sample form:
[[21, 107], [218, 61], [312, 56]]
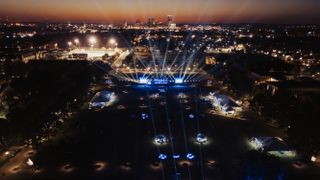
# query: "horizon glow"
[[184, 11]]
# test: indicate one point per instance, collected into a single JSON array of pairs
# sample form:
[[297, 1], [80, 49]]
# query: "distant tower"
[[171, 24], [125, 24], [150, 21], [169, 19]]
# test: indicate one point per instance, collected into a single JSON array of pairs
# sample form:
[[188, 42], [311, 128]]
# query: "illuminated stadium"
[[94, 51], [159, 73], [156, 80], [91, 53]]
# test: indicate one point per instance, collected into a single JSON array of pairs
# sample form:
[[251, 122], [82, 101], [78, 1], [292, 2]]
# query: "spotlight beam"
[[154, 127], [183, 48], [165, 58], [170, 133], [184, 133]]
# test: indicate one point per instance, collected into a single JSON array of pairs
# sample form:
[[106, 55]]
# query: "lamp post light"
[[113, 43], [76, 41], [69, 44], [92, 41]]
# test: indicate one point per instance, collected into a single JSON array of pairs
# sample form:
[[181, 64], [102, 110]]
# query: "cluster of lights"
[[160, 139], [201, 138], [176, 156], [189, 156], [144, 116], [256, 143], [144, 81], [162, 156], [76, 41], [178, 80], [102, 99], [159, 81], [92, 40]]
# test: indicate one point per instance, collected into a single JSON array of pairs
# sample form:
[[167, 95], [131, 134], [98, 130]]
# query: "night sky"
[[184, 11]]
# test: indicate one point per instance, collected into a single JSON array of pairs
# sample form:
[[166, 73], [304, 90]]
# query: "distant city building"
[[171, 24], [150, 22], [170, 19], [125, 24]]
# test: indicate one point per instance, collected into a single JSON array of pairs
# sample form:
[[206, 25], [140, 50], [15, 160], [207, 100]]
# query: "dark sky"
[[191, 11]]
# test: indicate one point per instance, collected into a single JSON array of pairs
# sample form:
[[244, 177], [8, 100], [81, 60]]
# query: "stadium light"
[[92, 40], [76, 41], [178, 80], [144, 81], [112, 41]]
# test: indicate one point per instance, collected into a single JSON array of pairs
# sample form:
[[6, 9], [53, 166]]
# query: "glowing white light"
[[144, 116], [201, 138], [69, 43], [190, 156], [112, 41], [143, 81], [313, 159], [76, 40], [92, 40], [176, 156], [178, 80], [162, 156], [30, 162], [256, 143]]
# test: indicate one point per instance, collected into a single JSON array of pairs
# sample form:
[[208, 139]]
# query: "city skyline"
[[203, 11]]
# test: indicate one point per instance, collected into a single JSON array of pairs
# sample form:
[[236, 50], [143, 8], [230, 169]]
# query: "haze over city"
[[184, 11]]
